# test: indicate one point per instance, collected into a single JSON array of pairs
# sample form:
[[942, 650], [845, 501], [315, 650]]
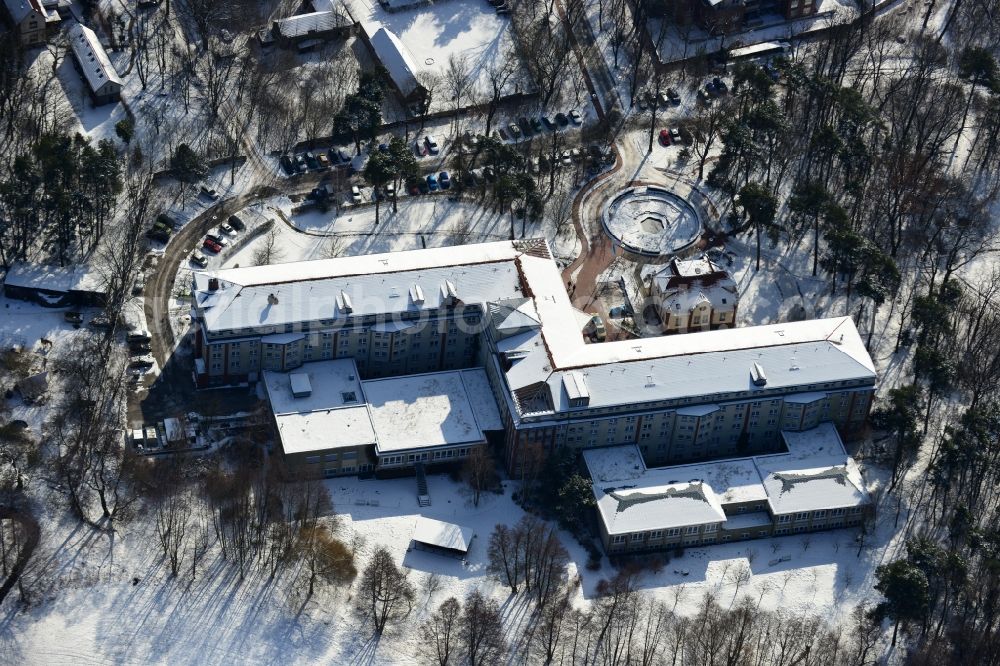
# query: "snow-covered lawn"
[[94, 611]]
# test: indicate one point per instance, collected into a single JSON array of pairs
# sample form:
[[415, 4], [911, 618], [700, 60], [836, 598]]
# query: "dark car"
[[158, 235], [236, 223], [310, 159], [562, 119], [300, 164], [536, 125], [720, 86], [673, 96], [548, 122], [662, 99], [287, 165], [73, 317], [445, 180]]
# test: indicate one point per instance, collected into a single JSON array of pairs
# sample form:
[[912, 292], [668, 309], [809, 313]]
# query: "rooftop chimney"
[[213, 284], [272, 299]]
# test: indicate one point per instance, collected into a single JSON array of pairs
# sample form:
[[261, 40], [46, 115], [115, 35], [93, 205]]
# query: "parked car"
[[548, 122], [236, 223], [640, 101], [323, 161], [514, 131], [227, 229], [567, 157], [287, 165], [310, 159], [432, 144], [211, 245], [158, 235], [300, 164], [675, 136], [219, 238], [198, 259], [432, 182], [167, 221], [562, 119], [209, 193], [355, 194], [597, 326], [575, 117], [100, 321], [445, 180], [720, 86], [73, 317], [536, 126], [673, 96], [703, 98], [664, 137], [662, 99]]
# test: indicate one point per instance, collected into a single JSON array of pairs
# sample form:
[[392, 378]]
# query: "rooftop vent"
[[344, 302], [272, 299], [417, 294], [757, 375], [213, 284]]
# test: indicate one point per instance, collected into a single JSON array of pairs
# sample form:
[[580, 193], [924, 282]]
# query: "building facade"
[[31, 21], [93, 64]]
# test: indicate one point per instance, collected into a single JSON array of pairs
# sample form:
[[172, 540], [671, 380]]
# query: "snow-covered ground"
[[109, 598], [437, 32]]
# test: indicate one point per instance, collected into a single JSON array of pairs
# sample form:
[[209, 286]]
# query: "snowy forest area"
[[866, 159]]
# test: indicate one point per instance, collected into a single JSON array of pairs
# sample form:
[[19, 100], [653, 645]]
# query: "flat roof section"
[[429, 410]]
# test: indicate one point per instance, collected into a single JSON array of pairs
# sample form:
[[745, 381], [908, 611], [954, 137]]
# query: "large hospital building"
[[378, 362]]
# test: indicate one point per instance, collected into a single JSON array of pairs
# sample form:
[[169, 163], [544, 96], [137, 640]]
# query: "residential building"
[[692, 295], [724, 17], [502, 307], [91, 60], [31, 20], [307, 31], [813, 485]]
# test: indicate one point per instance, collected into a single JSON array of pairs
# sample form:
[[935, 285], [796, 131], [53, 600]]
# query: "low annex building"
[[331, 423], [91, 60], [814, 485], [502, 309]]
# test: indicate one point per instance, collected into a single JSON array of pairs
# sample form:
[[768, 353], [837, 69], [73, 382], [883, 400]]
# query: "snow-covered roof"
[[814, 473], [21, 9], [694, 267], [332, 415], [92, 58], [433, 409], [394, 56], [443, 535], [302, 25], [324, 405], [54, 278], [703, 365]]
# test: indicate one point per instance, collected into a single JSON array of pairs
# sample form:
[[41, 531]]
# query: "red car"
[[664, 137], [210, 244]]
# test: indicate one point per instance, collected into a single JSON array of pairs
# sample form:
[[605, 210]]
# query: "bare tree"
[[268, 251], [173, 514], [480, 472], [386, 593], [440, 631], [324, 557], [481, 630]]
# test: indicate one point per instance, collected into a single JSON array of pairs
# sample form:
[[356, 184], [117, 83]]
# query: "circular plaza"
[[651, 221]]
